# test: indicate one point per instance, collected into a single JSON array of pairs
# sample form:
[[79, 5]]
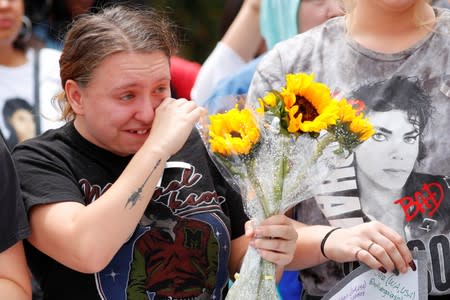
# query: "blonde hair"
[[94, 37]]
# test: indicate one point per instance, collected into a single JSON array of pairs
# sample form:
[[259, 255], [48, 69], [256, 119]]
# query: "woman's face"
[[115, 111], [315, 12], [387, 159], [11, 13], [22, 121]]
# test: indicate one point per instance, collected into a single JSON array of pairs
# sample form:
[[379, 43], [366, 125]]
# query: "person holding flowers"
[[124, 201], [278, 153], [375, 41]]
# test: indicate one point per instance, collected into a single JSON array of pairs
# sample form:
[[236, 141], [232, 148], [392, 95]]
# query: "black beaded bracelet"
[[322, 244]]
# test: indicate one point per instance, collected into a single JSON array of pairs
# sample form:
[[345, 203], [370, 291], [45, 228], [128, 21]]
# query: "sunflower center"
[[235, 134], [305, 108]]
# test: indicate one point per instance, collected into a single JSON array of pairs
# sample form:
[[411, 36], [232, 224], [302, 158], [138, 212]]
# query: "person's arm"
[[349, 244], [238, 249], [85, 238], [243, 35], [238, 46], [15, 278]]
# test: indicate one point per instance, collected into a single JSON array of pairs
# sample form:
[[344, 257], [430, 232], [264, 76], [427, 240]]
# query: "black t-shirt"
[[183, 239], [14, 224]]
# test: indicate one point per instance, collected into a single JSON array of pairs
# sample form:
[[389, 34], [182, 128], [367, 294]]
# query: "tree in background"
[[199, 24]]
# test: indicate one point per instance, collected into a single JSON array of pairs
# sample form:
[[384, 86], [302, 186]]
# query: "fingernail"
[[396, 272], [412, 265], [382, 270]]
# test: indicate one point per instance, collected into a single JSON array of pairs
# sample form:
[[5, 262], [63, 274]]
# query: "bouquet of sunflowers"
[[275, 154]]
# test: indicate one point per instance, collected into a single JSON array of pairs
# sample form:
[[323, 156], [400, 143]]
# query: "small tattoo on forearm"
[[137, 195]]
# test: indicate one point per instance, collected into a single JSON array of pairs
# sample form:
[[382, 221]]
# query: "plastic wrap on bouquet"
[[256, 281], [276, 154], [282, 172]]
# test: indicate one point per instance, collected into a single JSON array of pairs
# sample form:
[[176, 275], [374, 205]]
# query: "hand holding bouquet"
[[275, 154]]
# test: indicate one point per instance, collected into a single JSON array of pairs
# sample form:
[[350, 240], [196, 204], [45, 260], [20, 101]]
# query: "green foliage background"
[[198, 23]]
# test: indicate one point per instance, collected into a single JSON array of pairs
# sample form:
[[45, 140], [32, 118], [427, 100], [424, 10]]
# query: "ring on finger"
[[370, 246]]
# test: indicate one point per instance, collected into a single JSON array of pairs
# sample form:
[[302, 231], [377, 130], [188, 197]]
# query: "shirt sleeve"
[[222, 62], [224, 95], [44, 175]]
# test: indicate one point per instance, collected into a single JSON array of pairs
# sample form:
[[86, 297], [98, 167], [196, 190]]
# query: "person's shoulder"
[[443, 18], [194, 149], [46, 140], [333, 24], [195, 138]]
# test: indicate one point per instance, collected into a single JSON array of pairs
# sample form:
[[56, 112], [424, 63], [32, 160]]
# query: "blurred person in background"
[[27, 72], [259, 25], [240, 43]]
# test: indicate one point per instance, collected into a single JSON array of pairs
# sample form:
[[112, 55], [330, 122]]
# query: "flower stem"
[[321, 145], [280, 173], [267, 285], [258, 189]]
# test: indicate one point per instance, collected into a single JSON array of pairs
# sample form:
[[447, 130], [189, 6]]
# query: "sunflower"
[[355, 120], [309, 105], [362, 127], [268, 102], [233, 132]]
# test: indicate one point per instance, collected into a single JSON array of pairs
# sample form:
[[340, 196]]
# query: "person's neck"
[[389, 31], [11, 57]]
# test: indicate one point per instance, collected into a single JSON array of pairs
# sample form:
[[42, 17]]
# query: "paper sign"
[[366, 283]]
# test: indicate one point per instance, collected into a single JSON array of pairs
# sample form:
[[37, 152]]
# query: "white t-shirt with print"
[[346, 67], [18, 82]]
